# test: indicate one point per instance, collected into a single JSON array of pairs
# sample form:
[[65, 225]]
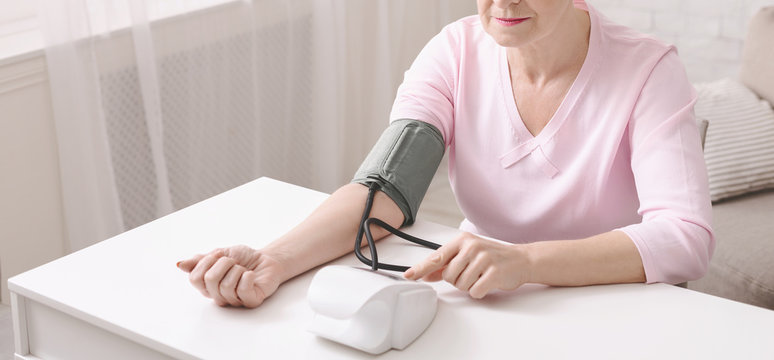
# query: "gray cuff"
[[403, 163]]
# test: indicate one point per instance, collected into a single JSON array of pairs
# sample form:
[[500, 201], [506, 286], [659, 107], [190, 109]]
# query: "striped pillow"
[[739, 148]]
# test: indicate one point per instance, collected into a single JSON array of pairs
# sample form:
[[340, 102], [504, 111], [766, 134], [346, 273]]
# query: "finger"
[[435, 261], [471, 274], [435, 275], [482, 286], [228, 286], [189, 264], [215, 275], [243, 255], [456, 266], [196, 277], [249, 291]]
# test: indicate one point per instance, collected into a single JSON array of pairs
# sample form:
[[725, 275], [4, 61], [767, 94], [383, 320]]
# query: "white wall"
[[709, 34], [31, 223]]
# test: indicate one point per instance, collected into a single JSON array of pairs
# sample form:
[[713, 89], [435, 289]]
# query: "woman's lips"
[[510, 21]]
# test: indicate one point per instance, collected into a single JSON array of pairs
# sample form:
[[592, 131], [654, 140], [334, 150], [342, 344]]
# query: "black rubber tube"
[[365, 228]]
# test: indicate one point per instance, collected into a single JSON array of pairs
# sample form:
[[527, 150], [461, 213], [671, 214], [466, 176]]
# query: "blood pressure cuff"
[[403, 163]]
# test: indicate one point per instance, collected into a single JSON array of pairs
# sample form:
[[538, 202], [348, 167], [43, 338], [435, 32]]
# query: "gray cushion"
[[742, 267], [703, 124], [757, 71], [738, 151]]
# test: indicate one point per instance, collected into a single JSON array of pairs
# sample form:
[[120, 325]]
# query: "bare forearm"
[[329, 232], [602, 259]]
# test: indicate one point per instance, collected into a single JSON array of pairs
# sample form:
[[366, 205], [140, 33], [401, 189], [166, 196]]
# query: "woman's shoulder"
[[625, 40], [470, 23], [466, 29], [461, 38], [631, 56]]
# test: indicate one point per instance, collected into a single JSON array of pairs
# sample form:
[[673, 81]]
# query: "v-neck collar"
[[528, 143]]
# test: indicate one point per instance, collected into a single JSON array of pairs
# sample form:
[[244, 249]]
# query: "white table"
[[125, 299]]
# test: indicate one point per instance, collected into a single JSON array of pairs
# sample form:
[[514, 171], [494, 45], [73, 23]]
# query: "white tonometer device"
[[373, 311]]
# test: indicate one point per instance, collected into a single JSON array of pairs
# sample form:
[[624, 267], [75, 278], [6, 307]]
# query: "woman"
[[578, 130]]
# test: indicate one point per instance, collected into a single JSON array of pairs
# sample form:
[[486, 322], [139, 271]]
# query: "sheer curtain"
[[159, 104]]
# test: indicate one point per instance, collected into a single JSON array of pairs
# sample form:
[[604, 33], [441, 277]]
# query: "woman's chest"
[[536, 104]]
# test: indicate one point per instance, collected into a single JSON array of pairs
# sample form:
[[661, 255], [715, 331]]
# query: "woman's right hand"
[[236, 276]]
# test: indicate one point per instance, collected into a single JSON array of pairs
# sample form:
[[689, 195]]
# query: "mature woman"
[[570, 137]]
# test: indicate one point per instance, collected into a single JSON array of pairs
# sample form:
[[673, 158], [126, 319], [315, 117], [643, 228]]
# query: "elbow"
[[691, 255], [673, 251]]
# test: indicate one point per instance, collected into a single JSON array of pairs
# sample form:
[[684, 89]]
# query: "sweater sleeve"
[[427, 91], [675, 238]]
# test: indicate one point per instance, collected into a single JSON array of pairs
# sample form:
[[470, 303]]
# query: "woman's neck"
[[561, 52]]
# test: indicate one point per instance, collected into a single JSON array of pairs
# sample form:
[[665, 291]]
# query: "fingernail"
[[178, 264], [408, 274]]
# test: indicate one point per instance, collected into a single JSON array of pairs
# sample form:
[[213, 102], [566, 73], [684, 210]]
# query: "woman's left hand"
[[475, 265]]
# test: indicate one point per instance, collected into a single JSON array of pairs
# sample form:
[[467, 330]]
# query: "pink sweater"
[[621, 152]]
